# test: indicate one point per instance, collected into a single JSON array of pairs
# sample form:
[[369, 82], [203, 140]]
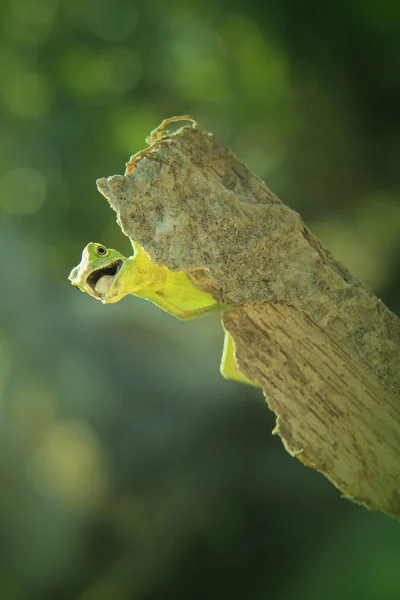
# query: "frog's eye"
[[101, 250]]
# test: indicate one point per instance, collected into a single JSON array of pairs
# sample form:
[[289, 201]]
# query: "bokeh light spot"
[[203, 80], [27, 94], [69, 464], [109, 23], [130, 125], [365, 238], [261, 63], [113, 71], [22, 191], [32, 410], [4, 366], [30, 22]]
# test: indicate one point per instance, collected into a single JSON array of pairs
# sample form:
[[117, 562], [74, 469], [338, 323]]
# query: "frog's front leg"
[[183, 313], [229, 368], [177, 295]]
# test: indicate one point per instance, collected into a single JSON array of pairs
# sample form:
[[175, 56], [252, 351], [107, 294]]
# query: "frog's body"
[[108, 276]]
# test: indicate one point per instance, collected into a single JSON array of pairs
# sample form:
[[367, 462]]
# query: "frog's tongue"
[[103, 284]]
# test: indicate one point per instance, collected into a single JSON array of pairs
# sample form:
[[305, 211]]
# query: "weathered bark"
[[324, 349]]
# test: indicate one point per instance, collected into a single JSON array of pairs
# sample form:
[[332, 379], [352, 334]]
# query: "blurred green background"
[[129, 469]]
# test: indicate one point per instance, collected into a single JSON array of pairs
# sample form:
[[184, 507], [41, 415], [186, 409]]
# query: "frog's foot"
[[155, 138], [159, 132]]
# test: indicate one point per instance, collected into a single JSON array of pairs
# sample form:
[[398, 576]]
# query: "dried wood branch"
[[325, 350]]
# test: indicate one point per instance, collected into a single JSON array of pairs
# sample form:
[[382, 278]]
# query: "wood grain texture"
[[325, 350]]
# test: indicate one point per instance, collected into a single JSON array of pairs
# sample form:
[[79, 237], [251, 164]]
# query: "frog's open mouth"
[[108, 273]]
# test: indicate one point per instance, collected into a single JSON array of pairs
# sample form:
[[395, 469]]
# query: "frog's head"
[[100, 273]]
